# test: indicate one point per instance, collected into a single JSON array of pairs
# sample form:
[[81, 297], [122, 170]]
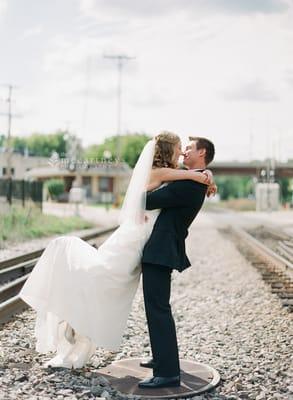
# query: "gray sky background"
[[216, 68]]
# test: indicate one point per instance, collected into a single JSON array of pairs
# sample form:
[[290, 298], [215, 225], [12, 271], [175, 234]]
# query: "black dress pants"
[[162, 331]]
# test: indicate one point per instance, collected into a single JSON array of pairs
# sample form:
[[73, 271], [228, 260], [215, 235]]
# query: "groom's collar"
[[193, 169]]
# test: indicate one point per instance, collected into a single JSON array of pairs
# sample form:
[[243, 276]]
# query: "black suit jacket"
[[180, 202]]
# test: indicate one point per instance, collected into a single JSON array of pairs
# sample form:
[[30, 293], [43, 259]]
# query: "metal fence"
[[15, 191]]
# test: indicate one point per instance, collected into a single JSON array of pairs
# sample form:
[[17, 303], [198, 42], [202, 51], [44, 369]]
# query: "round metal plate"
[[124, 376]]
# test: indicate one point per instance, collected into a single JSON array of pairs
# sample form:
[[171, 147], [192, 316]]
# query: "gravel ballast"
[[225, 316]]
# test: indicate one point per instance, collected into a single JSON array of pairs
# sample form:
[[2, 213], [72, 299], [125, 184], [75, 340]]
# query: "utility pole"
[[10, 116], [251, 140], [120, 58], [88, 70]]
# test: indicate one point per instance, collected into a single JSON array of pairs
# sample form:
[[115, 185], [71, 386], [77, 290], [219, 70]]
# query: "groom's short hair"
[[203, 143]]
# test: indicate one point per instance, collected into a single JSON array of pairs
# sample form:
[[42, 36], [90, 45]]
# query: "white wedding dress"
[[90, 289], [83, 295]]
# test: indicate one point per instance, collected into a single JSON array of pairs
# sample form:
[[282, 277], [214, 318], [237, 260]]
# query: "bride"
[[82, 295]]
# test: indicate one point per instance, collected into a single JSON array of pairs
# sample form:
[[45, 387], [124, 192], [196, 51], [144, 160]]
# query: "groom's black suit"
[[165, 250]]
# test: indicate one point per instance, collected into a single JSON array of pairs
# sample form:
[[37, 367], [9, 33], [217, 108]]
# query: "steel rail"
[[276, 270], [10, 307], [265, 252], [17, 269]]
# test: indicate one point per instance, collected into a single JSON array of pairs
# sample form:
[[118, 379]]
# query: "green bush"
[[55, 187]]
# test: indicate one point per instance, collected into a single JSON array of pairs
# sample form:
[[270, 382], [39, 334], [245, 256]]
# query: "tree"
[[2, 140], [39, 144], [286, 189], [131, 147], [234, 186], [19, 143], [44, 145]]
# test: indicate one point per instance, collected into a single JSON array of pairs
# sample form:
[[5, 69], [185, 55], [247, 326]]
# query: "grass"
[[19, 224]]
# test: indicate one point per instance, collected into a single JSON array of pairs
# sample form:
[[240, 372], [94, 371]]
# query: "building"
[[102, 182], [20, 164]]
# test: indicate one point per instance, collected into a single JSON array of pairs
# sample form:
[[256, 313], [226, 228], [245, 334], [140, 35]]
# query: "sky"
[[222, 69]]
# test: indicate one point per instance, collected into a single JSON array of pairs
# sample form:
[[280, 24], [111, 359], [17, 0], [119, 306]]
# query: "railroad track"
[[15, 271], [285, 242], [275, 269]]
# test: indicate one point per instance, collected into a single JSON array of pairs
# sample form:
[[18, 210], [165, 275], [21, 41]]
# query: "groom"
[[180, 202]]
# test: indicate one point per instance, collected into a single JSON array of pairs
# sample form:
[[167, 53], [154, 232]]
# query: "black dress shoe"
[[159, 382], [147, 364]]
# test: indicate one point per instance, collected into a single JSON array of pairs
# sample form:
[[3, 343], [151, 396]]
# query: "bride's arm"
[[160, 175]]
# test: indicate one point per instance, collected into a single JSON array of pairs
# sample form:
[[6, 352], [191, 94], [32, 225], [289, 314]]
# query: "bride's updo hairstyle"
[[164, 150]]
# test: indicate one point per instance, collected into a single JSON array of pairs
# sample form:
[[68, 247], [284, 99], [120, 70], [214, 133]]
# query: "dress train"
[[83, 295]]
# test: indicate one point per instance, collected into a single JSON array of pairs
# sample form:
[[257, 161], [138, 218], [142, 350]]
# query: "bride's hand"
[[212, 190], [210, 178], [202, 177], [212, 187]]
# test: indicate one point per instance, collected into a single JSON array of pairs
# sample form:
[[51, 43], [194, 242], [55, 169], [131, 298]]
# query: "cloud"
[[97, 93], [30, 32], [289, 77], [151, 100], [73, 63], [246, 6], [3, 7], [151, 8], [252, 91]]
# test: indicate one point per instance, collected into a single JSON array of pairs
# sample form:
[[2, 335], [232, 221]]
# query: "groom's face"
[[191, 154]]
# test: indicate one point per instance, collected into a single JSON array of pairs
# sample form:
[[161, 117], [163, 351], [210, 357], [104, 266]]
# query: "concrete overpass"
[[252, 168]]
